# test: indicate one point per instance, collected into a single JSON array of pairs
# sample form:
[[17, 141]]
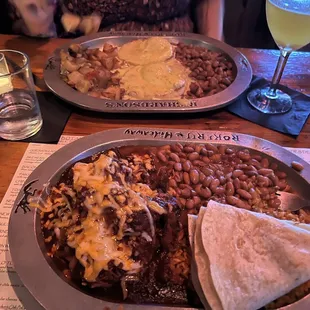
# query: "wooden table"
[[296, 75]]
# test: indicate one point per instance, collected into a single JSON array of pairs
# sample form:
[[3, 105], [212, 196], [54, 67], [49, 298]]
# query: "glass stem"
[[284, 55]]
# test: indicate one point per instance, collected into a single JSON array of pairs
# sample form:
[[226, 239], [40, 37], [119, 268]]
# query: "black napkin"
[[55, 113], [290, 122]]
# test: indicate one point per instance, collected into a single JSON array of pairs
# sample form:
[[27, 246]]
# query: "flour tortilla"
[[192, 219], [254, 258], [194, 273], [203, 268]]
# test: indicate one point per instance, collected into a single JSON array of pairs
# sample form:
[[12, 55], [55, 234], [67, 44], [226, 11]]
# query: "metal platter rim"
[[219, 100], [34, 270]]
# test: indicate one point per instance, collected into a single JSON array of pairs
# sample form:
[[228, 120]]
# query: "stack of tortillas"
[[244, 260]]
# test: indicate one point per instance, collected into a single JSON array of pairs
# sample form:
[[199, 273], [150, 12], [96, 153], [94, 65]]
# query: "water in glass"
[[20, 117]]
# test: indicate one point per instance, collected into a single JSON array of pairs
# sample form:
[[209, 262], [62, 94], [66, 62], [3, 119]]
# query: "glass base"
[[20, 116], [27, 131], [280, 103]]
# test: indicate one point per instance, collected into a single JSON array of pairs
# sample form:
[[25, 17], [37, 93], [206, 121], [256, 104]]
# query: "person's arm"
[[210, 18], [87, 24], [34, 17]]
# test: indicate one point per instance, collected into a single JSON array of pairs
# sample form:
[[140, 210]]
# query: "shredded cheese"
[[94, 243], [95, 248]]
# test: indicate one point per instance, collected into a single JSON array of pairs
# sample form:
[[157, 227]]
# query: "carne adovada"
[[116, 223]]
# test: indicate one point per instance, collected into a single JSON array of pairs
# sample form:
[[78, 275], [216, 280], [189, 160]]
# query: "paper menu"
[[13, 294], [68, 139]]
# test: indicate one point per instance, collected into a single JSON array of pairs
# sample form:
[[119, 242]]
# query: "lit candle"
[[5, 81]]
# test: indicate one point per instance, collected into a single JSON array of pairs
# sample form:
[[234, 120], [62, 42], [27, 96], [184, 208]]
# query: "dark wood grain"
[[296, 75]]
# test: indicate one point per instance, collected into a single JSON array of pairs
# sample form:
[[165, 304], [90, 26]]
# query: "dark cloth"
[[177, 24], [245, 24], [126, 15], [137, 15], [290, 123], [5, 20], [143, 11]]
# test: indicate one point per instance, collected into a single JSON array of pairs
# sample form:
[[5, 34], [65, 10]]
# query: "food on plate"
[[211, 71], [146, 51], [110, 230], [297, 166], [192, 219], [90, 70], [159, 80], [149, 69], [204, 282], [117, 223], [264, 258]]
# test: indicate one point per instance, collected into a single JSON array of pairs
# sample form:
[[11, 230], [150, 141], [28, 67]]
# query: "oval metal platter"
[[242, 69], [39, 273]]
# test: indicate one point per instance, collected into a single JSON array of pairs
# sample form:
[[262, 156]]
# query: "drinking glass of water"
[[20, 115], [289, 24]]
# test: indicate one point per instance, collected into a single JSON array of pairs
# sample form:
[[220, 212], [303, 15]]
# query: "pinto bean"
[[190, 204], [186, 166], [265, 171], [194, 176], [177, 166], [162, 157], [193, 156], [265, 163], [297, 166], [175, 157], [186, 178], [205, 192], [237, 173], [173, 183], [186, 193], [244, 194], [230, 189]]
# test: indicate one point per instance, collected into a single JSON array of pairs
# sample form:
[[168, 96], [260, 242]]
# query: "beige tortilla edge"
[[203, 266], [194, 273]]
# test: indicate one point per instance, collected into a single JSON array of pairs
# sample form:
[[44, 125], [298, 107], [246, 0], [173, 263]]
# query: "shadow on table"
[[147, 116]]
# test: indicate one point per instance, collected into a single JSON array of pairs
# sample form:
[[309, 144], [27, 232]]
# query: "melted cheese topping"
[[147, 51], [95, 245], [143, 189], [92, 175], [95, 248], [155, 81], [149, 71], [94, 242]]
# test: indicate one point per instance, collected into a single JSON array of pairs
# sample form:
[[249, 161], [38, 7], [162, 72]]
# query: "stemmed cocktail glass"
[[289, 24]]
